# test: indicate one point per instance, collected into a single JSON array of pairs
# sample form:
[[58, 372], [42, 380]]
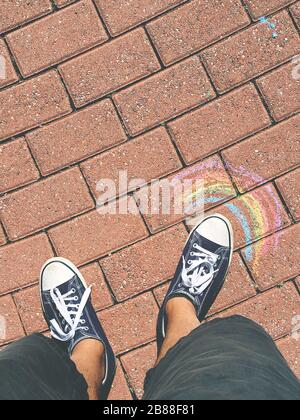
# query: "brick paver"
[[129, 14], [194, 26], [13, 327], [211, 171], [281, 91], [257, 160], [120, 389], [94, 235], [295, 9], [16, 12], [283, 246], [45, 203], [238, 286], [10, 72], [17, 167], [298, 283], [164, 96], [197, 137], [21, 262], [2, 236], [137, 363], [259, 8], [289, 186], [290, 347], [57, 37], [168, 89], [251, 52], [135, 269], [274, 310], [131, 324], [76, 137], [146, 158], [110, 67], [264, 198], [32, 103], [63, 3], [30, 310]]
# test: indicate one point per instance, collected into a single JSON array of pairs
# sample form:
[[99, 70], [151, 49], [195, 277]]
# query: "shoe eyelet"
[[195, 246], [83, 321], [76, 298], [86, 328], [190, 262], [73, 290], [192, 254]]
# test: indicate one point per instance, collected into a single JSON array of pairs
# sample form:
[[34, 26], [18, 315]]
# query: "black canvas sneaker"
[[202, 270], [68, 310]]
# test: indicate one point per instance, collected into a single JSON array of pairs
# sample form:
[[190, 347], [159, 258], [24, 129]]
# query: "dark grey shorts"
[[225, 359]]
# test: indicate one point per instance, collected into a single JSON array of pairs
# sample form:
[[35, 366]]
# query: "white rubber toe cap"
[[55, 273], [216, 229]]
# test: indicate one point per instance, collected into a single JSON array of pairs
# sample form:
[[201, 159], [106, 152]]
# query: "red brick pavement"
[[162, 89]]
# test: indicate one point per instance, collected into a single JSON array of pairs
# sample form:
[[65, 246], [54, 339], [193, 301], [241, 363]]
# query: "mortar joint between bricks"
[[127, 379], [141, 214], [19, 315], [239, 251], [246, 7], [72, 104], [87, 185], [238, 193], [14, 63], [205, 67], [285, 206], [102, 20], [154, 47], [54, 6], [264, 102], [170, 134], [293, 17], [34, 159], [112, 294]]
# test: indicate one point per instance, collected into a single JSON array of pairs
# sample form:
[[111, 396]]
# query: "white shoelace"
[[200, 271], [71, 313]]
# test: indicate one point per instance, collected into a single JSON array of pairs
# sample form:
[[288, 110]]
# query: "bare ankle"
[[89, 345], [89, 358], [180, 305], [181, 321]]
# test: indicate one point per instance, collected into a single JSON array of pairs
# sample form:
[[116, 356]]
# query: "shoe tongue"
[[67, 286]]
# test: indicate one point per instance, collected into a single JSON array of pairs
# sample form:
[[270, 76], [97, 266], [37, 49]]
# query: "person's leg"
[[182, 320], [223, 359], [89, 358], [78, 362], [68, 310], [199, 277], [39, 368]]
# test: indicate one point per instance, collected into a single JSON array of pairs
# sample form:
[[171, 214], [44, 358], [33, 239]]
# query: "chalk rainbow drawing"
[[270, 25], [258, 212]]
